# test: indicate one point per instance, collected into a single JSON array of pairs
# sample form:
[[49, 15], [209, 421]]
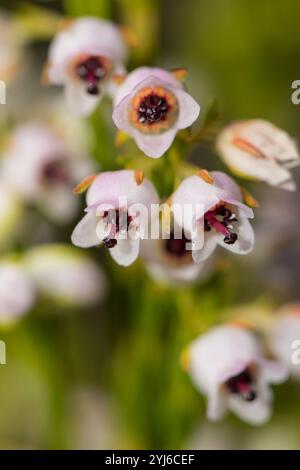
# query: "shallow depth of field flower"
[[149, 233]]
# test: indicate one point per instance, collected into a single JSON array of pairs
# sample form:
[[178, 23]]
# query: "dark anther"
[[109, 242], [242, 385], [55, 172], [221, 220], [176, 246], [152, 109], [91, 71], [231, 238]]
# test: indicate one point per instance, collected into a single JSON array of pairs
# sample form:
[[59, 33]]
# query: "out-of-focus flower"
[[10, 210], [40, 167], [17, 292], [228, 366], [169, 260], [284, 338], [65, 275], [118, 212], [11, 43], [258, 149], [151, 105], [84, 57], [209, 208]]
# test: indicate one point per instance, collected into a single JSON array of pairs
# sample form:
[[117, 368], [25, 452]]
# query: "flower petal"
[[256, 412], [125, 252], [189, 109], [245, 240], [154, 145], [209, 246], [85, 234], [216, 405]]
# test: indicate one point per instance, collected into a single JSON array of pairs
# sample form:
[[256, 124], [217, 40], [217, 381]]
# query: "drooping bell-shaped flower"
[[227, 365], [118, 214], [257, 149], [84, 57], [42, 169], [65, 275], [151, 105], [209, 208], [17, 292]]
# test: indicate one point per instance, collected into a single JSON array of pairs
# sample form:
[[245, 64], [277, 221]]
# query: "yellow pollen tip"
[[180, 73], [139, 177]]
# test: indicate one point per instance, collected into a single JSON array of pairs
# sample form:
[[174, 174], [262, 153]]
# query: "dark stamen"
[[242, 385], [177, 246], [221, 220], [91, 71], [119, 222], [153, 108]]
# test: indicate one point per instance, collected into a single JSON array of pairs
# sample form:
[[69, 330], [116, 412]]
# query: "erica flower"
[[64, 275], [227, 365], [284, 338], [118, 210], [151, 105], [259, 150], [39, 167], [209, 208], [83, 58], [169, 260], [17, 293]]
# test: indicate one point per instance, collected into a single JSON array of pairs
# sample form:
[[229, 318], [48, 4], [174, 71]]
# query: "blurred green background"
[[110, 376]]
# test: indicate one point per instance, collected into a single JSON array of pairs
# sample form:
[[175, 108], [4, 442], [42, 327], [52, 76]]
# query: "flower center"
[[119, 221], [177, 246], [153, 110], [55, 172], [221, 219], [91, 70], [242, 385]]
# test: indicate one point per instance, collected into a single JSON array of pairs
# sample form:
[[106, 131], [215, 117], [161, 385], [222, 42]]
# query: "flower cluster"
[[177, 231]]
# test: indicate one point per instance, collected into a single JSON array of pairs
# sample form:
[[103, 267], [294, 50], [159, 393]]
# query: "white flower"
[[118, 212], [284, 338], [83, 58], [210, 210], [151, 105], [40, 167], [65, 275], [257, 149], [17, 292], [228, 366]]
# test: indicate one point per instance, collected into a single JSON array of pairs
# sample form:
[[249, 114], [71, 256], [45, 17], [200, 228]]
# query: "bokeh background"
[[108, 375]]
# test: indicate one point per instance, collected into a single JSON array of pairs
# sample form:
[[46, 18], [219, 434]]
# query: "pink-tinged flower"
[[228, 366], [284, 338], [65, 275], [118, 214], [84, 57], [257, 149], [17, 292], [169, 261], [209, 208], [40, 167], [151, 105]]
